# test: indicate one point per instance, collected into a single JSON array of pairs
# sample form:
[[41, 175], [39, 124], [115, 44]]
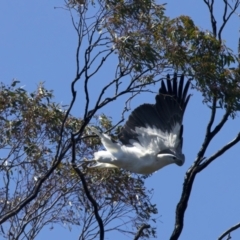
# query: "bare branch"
[[88, 194], [182, 205], [229, 231], [139, 233], [213, 20], [227, 17], [208, 131], [210, 134], [195, 168], [219, 153]]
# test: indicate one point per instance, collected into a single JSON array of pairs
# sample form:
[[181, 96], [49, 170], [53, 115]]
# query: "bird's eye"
[[174, 158]]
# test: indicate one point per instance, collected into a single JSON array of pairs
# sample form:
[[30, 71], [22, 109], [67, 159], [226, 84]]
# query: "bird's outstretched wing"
[[168, 111]]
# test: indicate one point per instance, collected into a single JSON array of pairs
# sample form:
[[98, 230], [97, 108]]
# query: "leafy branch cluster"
[[146, 38], [31, 126]]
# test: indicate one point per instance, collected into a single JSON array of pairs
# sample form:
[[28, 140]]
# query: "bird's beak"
[[179, 162]]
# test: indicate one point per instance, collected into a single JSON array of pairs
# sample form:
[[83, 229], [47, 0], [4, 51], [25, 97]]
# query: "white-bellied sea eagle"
[[152, 136]]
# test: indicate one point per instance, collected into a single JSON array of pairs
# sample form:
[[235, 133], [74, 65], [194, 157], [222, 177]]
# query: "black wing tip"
[[176, 89], [168, 110], [172, 100]]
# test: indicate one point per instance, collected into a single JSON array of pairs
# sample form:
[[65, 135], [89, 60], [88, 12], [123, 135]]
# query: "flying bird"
[[152, 136]]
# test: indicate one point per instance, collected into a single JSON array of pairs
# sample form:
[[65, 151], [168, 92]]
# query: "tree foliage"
[[31, 133], [44, 176]]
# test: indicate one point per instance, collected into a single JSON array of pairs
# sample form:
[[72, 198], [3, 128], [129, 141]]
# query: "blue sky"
[[38, 43]]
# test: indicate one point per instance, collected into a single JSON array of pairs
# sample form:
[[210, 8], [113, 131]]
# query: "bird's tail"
[[107, 141], [94, 130]]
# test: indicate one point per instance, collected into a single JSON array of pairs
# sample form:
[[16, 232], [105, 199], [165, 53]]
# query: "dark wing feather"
[[138, 118], [168, 110]]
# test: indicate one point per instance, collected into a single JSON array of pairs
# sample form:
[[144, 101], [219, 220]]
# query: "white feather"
[[141, 156]]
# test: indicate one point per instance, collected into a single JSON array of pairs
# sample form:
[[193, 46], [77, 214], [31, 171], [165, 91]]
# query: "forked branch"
[[198, 166]]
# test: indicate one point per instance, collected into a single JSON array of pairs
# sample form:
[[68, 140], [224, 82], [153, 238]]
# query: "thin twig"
[[231, 229], [208, 135], [219, 153], [139, 233], [211, 134]]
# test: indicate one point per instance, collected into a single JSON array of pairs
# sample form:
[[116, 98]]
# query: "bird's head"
[[168, 157]]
